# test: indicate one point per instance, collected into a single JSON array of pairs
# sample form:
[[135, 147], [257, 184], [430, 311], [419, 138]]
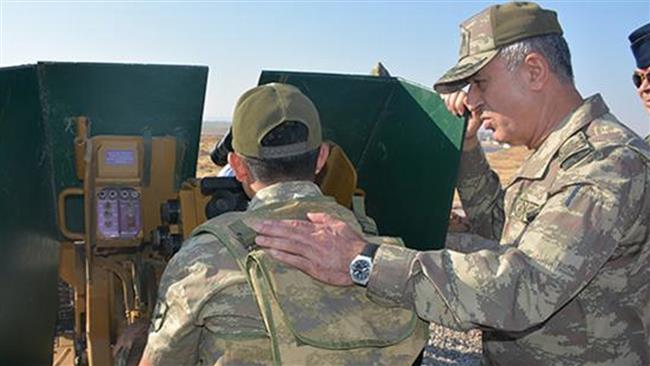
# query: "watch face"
[[360, 270]]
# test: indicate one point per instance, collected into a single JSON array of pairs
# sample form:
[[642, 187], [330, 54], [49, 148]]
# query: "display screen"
[[120, 157]]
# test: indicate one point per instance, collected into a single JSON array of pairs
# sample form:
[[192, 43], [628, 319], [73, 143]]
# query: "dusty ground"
[[205, 166], [506, 162], [446, 346]]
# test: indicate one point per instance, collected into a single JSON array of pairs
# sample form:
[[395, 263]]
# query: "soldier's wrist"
[[473, 164], [470, 143], [360, 267]]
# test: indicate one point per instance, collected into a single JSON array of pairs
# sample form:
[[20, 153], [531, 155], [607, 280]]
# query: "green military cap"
[[482, 35], [265, 107]]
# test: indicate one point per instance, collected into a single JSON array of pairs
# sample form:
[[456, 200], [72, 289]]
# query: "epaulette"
[[575, 149], [244, 234]]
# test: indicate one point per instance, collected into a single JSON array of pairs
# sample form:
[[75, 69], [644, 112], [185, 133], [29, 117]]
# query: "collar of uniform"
[[536, 165], [284, 191]]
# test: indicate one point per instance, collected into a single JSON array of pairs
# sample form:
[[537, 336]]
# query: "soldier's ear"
[[536, 71], [239, 167], [323, 154]]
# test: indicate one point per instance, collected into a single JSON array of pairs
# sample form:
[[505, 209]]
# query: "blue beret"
[[640, 45]]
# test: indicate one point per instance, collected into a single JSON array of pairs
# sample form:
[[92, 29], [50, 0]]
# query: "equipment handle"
[[61, 210]]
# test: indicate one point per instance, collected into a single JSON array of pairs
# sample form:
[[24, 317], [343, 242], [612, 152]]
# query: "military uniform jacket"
[[208, 314], [557, 269]]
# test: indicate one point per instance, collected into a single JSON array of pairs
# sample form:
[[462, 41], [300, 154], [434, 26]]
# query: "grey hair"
[[552, 47]]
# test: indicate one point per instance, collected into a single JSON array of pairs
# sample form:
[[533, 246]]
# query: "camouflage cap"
[[265, 107], [482, 35]]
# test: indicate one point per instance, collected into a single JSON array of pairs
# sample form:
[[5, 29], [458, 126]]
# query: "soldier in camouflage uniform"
[[557, 269], [223, 302]]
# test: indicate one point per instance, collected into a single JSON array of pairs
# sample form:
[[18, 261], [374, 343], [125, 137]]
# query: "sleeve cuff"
[[473, 164], [390, 274]]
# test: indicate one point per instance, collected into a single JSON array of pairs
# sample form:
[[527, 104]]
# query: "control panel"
[[119, 213], [117, 187]]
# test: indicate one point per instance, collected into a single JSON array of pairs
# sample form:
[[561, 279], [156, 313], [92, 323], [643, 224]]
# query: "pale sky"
[[416, 40]]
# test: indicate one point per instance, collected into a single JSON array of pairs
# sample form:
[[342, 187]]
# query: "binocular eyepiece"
[[227, 195], [219, 155]]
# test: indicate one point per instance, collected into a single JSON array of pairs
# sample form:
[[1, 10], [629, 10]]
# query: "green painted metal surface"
[[28, 264], [403, 142], [37, 106]]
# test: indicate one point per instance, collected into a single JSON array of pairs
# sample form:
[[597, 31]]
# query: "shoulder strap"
[[368, 225], [226, 234], [263, 296], [641, 148], [574, 149]]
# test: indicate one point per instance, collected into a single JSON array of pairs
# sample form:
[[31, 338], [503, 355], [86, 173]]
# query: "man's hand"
[[456, 103], [322, 247]]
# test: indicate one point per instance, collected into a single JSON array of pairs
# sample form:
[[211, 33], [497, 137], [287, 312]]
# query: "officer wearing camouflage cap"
[[221, 302], [557, 268]]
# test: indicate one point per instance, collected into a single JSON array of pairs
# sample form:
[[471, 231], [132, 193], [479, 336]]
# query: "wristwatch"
[[361, 265]]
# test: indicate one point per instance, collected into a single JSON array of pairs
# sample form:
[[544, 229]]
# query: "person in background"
[[640, 45]]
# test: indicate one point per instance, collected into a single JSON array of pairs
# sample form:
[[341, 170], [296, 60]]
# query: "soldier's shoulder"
[[617, 141], [608, 132], [204, 238], [225, 219], [603, 153], [196, 248], [604, 141], [329, 206], [203, 252], [212, 233], [199, 269]]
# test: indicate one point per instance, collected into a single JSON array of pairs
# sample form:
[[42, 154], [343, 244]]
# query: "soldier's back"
[[305, 321]]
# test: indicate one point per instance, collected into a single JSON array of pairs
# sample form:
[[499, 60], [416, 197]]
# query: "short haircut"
[[297, 167], [552, 47]]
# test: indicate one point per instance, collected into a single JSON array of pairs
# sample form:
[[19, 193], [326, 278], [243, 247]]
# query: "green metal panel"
[[37, 106], [28, 264], [404, 144]]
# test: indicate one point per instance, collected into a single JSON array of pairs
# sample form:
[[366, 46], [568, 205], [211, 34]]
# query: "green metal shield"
[[38, 104]]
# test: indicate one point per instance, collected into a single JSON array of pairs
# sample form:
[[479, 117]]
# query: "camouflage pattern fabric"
[[560, 274], [482, 35], [477, 49], [207, 312]]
